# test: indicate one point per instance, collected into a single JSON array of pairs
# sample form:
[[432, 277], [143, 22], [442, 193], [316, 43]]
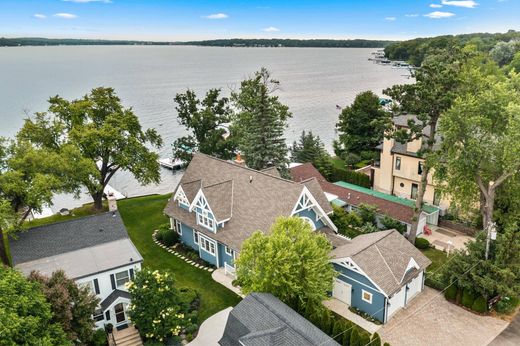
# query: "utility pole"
[[491, 235]]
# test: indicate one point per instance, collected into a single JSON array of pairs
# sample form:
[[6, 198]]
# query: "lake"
[[313, 81]]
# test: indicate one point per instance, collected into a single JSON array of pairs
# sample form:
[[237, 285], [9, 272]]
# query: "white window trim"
[[116, 279], [228, 251], [202, 242], [178, 227], [196, 237], [180, 197], [309, 221], [205, 220], [315, 205], [369, 301]]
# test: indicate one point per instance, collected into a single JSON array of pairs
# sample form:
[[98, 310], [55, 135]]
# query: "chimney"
[[112, 202], [238, 160]]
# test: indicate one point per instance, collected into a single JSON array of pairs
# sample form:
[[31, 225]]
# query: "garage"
[[342, 291], [396, 302]]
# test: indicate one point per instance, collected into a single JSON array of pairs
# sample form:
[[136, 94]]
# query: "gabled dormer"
[[310, 210], [186, 192], [213, 205]]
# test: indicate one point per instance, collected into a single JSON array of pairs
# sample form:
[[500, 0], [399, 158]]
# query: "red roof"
[[394, 210]]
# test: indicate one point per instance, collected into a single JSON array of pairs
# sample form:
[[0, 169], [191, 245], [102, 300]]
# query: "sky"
[[179, 20]]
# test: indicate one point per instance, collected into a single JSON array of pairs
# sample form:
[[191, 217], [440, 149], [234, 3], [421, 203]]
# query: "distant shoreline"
[[236, 43]]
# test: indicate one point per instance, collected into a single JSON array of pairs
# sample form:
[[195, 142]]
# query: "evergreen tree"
[[355, 339], [205, 120], [260, 122], [311, 149], [376, 340]]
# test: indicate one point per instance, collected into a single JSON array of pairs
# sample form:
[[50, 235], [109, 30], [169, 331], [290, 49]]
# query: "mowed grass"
[[142, 216], [437, 257]]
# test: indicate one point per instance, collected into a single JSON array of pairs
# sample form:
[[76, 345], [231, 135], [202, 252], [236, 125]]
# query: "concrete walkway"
[[220, 276], [212, 329], [342, 309], [509, 336]]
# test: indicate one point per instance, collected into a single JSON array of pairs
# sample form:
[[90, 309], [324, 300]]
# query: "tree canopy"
[[72, 306], [310, 148], [362, 125], [205, 120], [96, 136], [292, 263], [260, 122], [26, 317]]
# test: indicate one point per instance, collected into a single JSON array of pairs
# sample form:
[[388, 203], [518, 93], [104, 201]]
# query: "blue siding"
[[185, 207], [187, 237], [311, 215], [208, 257], [378, 305], [223, 256]]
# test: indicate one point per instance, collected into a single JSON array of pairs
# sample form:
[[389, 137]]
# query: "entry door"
[[120, 313], [342, 291]]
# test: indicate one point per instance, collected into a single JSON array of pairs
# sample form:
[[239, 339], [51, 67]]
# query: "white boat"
[[171, 163]]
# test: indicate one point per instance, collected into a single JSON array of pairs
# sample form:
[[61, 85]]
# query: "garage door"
[[414, 287], [342, 291]]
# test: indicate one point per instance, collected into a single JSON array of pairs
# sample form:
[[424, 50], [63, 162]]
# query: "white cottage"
[[93, 250]]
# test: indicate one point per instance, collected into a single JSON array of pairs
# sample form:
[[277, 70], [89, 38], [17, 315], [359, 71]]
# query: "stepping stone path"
[[172, 251]]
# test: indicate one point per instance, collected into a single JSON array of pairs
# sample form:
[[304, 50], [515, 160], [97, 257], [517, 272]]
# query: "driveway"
[[510, 336], [431, 320], [212, 329]]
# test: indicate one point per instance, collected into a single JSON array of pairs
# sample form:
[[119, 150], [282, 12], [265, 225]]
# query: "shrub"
[[367, 212], [422, 243], [507, 305], [468, 298], [159, 236], [386, 344], [364, 339], [451, 292], [164, 227], [369, 228], [376, 340], [355, 340], [346, 333], [479, 305], [390, 223], [169, 237], [99, 338], [349, 176], [337, 328]]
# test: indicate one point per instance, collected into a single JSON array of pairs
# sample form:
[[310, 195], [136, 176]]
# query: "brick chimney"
[[239, 161]]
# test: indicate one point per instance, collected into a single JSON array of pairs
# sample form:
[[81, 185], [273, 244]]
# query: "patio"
[[445, 239]]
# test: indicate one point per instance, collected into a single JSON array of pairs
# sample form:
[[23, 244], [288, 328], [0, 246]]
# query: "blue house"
[[378, 273], [218, 204]]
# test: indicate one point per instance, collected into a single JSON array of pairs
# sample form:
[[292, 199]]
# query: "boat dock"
[[171, 163]]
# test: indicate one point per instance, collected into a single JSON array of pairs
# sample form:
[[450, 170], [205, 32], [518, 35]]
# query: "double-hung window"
[[178, 227], [122, 278], [205, 220], [195, 237], [207, 245], [229, 251], [397, 163], [98, 315]]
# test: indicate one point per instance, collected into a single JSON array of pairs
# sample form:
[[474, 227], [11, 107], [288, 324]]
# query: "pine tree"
[[260, 122], [355, 340]]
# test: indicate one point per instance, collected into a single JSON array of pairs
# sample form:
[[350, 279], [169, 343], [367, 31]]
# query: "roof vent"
[[250, 178], [101, 230], [131, 259]]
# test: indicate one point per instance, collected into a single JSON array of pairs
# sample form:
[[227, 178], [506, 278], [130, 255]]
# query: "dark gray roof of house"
[[384, 256], [67, 236], [263, 320], [253, 198], [112, 297]]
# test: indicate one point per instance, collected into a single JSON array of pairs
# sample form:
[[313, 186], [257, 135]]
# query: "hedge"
[[353, 177], [169, 237], [451, 292], [422, 243], [479, 305], [468, 298]]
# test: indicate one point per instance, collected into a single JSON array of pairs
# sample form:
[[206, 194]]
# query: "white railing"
[[228, 269]]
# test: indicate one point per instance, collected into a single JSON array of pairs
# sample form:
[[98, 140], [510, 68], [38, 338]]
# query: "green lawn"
[[144, 214], [338, 162], [437, 257]]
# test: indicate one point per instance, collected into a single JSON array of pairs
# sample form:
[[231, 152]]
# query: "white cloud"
[[411, 15], [87, 1], [39, 16], [466, 3], [439, 15], [65, 15], [271, 29], [390, 18], [216, 16], [435, 5]]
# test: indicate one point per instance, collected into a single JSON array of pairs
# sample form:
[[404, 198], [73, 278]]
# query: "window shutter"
[[113, 281], [96, 286], [132, 274], [107, 315]]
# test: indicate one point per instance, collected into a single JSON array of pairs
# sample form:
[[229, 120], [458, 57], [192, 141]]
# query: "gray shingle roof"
[[112, 297], [263, 320], [220, 199], [257, 198], [384, 256], [80, 247]]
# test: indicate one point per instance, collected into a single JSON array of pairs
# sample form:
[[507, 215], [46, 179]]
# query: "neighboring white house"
[[93, 250]]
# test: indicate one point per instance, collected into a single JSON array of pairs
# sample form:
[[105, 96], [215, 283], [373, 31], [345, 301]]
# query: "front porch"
[[225, 277]]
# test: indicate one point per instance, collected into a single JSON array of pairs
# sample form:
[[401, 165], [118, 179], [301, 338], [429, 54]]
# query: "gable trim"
[[180, 196], [314, 204], [339, 260]]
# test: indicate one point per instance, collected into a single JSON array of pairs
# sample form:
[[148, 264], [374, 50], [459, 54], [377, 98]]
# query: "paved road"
[[510, 336]]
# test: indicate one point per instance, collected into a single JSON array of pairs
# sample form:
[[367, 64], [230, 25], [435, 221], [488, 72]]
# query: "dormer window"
[[180, 197], [205, 220]]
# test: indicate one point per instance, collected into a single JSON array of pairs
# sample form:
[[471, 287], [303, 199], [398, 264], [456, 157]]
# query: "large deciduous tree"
[[292, 263], [435, 88], [97, 137], [362, 125], [25, 315], [72, 306], [260, 122], [481, 140], [204, 119]]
